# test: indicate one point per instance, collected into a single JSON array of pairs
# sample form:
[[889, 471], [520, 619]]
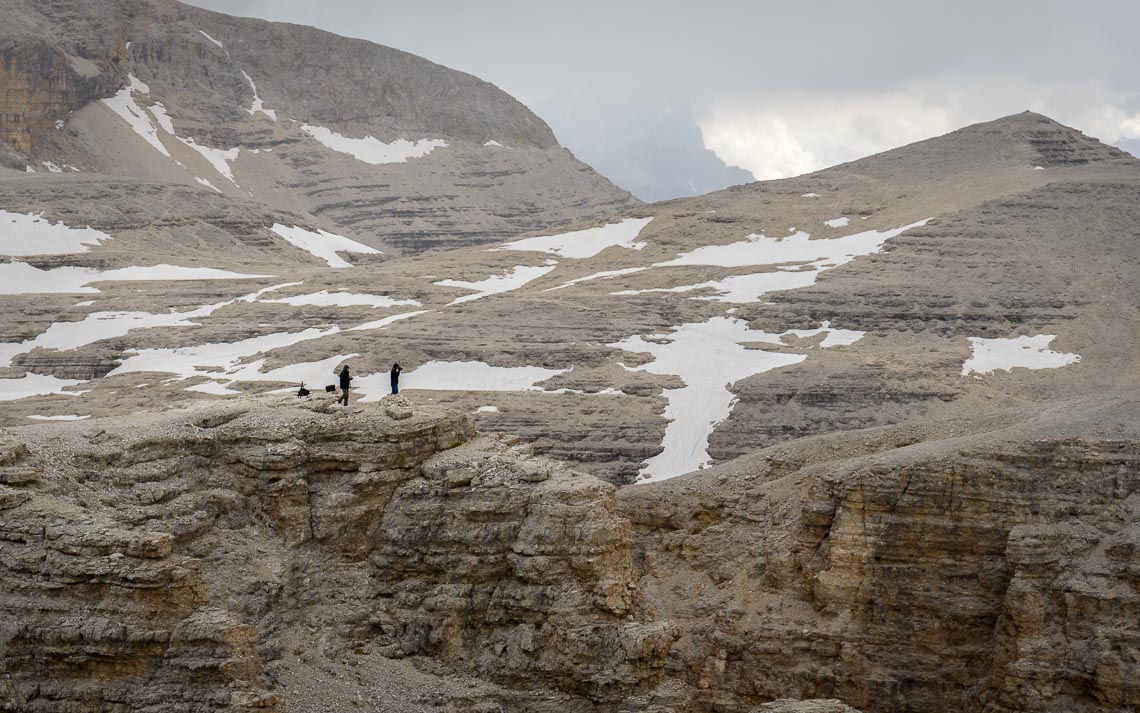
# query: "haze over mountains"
[[866, 434]]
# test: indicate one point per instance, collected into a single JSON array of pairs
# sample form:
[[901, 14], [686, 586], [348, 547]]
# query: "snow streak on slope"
[[797, 248], [224, 357], [143, 122], [220, 159], [604, 275], [258, 106], [98, 326], [25, 234], [323, 244], [989, 355], [211, 39], [324, 298], [373, 150], [124, 104], [709, 357], [497, 284], [799, 262], [581, 244], [18, 278]]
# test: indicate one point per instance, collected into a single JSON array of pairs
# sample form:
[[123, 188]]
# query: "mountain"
[[397, 151], [868, 434]]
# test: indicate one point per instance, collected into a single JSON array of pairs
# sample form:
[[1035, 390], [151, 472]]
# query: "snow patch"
[[586, 243], [225, 358], [742, 289], [381, 323], [799, 262], [989, 355], [837, 222], [258, 105], [762, 250], [98, 326], [459, 376], [147, 123], [34, 385], [324, 298], [124, 104], [211, 39], [206, 183], [709, 357], [220, 159], [60, 418], [487, 409], [494, 143], [23, 234], [373, 150], [810, 195], [323, 244], [603, 275], [18, 278], [497, 284]]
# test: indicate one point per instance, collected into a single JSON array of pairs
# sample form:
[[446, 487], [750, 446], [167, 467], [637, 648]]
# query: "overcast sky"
[[779, 88]]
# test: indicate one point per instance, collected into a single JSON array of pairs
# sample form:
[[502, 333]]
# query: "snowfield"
[[18, 278], [709, 357], [586, 243], [35, 385], [797, 248], [373, 150], [323, 244], [24, 234], [459, 376], [324, 298], [497, 284], [799, 260], [989, 355]]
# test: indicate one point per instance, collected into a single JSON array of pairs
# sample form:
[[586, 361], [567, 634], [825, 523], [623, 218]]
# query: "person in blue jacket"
[[396, 378]]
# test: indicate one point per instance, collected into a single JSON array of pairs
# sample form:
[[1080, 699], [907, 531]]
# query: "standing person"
[[345, 380], [396, 369]]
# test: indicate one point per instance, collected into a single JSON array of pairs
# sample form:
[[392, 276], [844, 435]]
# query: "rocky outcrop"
[[987, 574], [200, 560], [163, 563], [43, 84]]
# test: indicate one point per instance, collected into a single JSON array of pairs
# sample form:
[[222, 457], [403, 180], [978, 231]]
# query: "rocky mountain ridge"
[[399, 152]]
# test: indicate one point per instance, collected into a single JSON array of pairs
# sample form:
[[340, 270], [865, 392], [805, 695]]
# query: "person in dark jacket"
[[396, 378], [345, 381]]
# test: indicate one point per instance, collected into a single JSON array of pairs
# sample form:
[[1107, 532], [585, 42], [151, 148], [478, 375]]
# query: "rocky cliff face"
[[983, 574], [230, 558], [164, 563]]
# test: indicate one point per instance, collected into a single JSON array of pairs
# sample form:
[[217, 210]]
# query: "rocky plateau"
[[861, 440]]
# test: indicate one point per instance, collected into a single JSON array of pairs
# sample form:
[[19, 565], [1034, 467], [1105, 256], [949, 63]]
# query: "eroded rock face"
[[987, 574], [160, 563], [43, 84]]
